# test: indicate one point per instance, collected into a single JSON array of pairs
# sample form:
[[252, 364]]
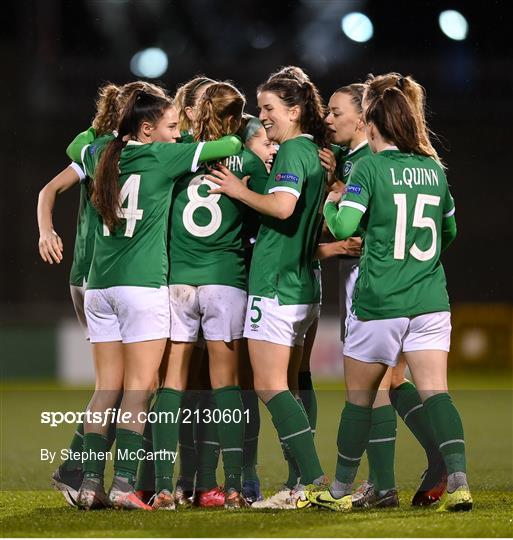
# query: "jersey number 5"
[[418, 221], [197, 201], [131, 213]]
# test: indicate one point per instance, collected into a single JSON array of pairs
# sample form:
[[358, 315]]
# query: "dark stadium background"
[[55, 53]]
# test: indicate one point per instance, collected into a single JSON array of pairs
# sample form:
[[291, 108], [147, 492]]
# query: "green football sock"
[[95, 445], [448, 430], [294, 473], [353, 435], [207, 444], [187, 450], [165, 436], [145, 480], [407, 403], [381, 448], [251, 431], [294, 431], [76, 445], [231, 433], [128, 444], [308, 398]]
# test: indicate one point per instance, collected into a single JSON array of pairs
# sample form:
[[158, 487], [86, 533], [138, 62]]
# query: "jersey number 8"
[[197, 201]]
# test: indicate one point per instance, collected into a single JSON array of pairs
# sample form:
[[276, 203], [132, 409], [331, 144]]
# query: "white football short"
[[267, 320], [348, 274], [78, 298], [217, 309], [127, 314], [384, 339]]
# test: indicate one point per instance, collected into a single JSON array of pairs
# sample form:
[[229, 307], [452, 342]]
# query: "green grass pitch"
[[28, 506]]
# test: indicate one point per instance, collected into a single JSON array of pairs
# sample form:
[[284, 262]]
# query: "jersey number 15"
[[419, 221]]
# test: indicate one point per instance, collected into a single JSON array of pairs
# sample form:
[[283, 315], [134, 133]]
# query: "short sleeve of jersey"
[[178, 159], [449, 207], [359, 188], [289, 170], [78, 169]]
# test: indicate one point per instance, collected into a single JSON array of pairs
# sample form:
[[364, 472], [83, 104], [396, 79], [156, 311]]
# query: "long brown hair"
[[394, 117], [219, 112], [112, 98], [140, 107], [415, 93], [186, 96], [293, 86]]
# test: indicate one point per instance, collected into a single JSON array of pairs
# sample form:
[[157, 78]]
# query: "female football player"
[[127, 297], [207, 283], [111, 99], [283, 289], [402, 191]]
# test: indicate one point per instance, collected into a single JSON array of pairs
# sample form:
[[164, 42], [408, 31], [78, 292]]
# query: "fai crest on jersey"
[[286, 177], [353, 188], [348, 165]]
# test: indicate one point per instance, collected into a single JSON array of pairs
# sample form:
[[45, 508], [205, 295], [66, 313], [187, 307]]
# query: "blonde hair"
[[112, 99], [219, 112], [186, 96]]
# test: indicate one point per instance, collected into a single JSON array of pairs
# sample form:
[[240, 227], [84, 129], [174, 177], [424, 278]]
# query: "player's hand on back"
[[50, 247], [228, 183]]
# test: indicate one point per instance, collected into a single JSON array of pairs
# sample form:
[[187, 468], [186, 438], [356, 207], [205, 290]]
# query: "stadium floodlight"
[[357, 27], [453, 24], [150, 63]]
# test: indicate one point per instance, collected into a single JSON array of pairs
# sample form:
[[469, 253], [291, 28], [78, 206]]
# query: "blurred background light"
[[357, 27], [453, 24], [150, 63]]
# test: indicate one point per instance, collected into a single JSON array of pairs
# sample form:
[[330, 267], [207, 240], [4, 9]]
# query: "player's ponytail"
[[312, 119], [140, 107], [416, 96], [112, 99], [106, 118], [219, 112], [186, 97], [393, 116]]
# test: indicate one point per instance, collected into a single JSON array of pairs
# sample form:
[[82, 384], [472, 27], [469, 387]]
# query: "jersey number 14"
[[418, 221], [131, 213]]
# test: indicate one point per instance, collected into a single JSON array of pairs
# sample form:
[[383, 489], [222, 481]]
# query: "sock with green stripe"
[[294, 430], [308, 398], [409, 407], [95, 445], [187, 449], [207, 444], [381, 448], [353, 436], [252, 429], [448, 431], [231, 433], [165, 435], [128, 444]]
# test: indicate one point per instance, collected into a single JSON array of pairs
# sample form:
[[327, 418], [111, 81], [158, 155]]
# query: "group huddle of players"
[[196, 275]]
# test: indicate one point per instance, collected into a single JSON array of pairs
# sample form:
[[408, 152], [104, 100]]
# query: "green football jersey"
[[406, 198], [206, 240], [282, 262], [87, 221], [136, 252]]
